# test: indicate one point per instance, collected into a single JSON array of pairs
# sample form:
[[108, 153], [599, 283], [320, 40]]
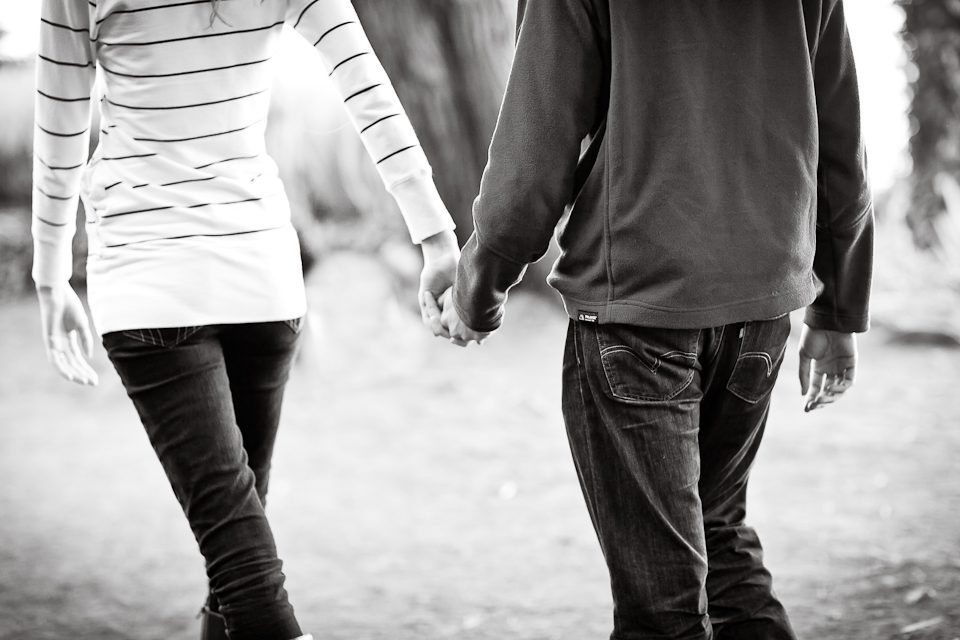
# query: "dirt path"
[[422, 491]]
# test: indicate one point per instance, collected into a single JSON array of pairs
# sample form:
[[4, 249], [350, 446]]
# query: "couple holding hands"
[[699, 161]]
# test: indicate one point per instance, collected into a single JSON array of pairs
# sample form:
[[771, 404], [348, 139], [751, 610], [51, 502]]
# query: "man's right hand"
[[443, 314], [833, 355]]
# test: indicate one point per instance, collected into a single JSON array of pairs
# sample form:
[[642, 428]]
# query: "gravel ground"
[[422, 491]]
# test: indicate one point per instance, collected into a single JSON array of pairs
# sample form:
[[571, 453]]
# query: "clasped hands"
[[441, 254]]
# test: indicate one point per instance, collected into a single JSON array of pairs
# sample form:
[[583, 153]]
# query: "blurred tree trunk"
[[449, 61], [931, 35]]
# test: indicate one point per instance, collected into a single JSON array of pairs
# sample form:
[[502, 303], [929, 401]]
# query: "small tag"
[[586, 316]]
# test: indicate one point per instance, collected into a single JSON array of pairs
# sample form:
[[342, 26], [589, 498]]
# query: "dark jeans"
[[209, 398], [664, 426]]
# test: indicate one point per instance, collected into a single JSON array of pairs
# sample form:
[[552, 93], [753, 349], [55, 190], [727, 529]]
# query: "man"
[[704, 161]]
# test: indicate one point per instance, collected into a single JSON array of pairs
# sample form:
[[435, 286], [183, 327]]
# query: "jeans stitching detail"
[[608, 345], [762, 355], [640, 398], [653, 366], [295, 324], [154, 337], [733, 385], [686, 355]]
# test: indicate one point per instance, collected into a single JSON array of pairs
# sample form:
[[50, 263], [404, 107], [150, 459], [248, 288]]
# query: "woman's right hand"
[[66, 333]]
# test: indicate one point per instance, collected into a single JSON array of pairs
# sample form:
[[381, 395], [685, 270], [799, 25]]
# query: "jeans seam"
[[578, 348], [719, 347]]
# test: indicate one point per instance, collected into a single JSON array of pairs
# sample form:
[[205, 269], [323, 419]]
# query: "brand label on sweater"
[[586, 316]]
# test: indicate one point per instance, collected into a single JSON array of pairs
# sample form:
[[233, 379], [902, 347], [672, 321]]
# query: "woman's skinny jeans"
[[209, 398]]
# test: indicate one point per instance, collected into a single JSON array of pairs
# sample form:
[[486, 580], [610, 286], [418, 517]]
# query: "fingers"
[[67, 359], [461, 335], [66, 334], [86, 339], [441, 317], [432, 315], [59, 361], [65, 354], [804, 374], [422, 301], [815, 388], [832, 355], [828, 388], [76, 356]]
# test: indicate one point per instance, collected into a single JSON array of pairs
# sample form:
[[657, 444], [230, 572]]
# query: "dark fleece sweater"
[[703, 159]]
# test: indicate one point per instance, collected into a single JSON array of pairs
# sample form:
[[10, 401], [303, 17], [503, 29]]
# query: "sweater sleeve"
[[65, 74], [553, 101], [333, 28], [843, 262]]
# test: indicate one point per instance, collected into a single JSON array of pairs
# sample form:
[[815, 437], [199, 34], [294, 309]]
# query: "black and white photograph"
[[479, 319]]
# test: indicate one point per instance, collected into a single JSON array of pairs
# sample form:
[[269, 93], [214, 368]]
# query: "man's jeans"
[[209, 398], [664, 425]]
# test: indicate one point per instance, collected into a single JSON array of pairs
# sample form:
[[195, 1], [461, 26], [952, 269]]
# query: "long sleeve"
[[844, 254], [65, 74], [554, 100], [334, 29]]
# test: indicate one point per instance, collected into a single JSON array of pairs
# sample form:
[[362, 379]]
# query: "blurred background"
[[425, 492]]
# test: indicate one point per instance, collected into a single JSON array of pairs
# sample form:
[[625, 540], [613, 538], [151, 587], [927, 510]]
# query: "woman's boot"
[[212, 625]]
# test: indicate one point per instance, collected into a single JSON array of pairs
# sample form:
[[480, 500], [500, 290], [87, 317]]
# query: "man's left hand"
[[833, 356]]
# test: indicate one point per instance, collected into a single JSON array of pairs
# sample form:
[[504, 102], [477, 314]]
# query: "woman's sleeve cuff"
[[52, 263], [421, 207]]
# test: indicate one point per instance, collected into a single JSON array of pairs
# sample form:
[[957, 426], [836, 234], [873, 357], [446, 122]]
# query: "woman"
[[194, 275]]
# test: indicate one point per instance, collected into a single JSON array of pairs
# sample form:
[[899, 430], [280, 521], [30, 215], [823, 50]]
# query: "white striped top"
[[187, 221]]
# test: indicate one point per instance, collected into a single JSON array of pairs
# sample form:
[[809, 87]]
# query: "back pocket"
[[644, 364], [761, 352]]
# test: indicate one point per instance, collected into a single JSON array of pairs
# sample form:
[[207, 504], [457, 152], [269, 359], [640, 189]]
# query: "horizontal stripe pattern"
[[371, 102], [185, 72], [65, 75], [192, 235], [160, 7], [59, 99], [187, 106], [199, 36]]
